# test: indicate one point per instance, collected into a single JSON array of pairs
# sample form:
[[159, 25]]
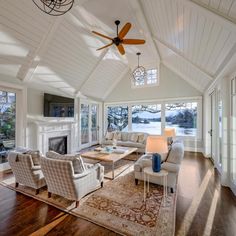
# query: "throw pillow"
[[141, 138], [109, 136], [176, 153], [76, 160], [118, 136], [124, 136], [134, 138], [35, 154]]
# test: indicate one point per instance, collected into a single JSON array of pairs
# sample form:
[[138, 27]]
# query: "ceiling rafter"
[[182, 76], [215, 11], [137, 6], [26, 74], [226, 61], [102, 55], [125, 72], [182, 56], [210, 14]]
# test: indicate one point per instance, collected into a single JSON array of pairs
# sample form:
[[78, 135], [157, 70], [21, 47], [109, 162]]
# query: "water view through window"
[[146, 118], [182, 117], [7, 123]]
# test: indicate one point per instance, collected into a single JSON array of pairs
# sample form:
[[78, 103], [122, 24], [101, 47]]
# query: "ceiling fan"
[[119, 40]]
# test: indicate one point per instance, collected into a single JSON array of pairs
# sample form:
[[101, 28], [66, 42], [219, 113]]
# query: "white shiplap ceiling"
[[196, 39]]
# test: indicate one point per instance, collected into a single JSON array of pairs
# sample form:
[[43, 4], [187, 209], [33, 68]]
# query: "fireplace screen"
[[58, 144]]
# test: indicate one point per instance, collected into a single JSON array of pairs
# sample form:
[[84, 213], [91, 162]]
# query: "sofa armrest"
[[170, 167], [81, 175], [144, 161], [36, 167]]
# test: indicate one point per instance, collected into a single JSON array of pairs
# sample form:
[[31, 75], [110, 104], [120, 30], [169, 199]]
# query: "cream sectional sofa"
[[127, 139]]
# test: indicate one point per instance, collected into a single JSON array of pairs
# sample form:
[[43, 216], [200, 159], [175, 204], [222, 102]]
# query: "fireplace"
[[58, 144]]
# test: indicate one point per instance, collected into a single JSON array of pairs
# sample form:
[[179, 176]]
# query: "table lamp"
[[169, 133], [156, 145]]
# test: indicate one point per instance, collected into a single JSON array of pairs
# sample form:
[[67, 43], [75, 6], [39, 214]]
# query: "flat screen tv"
[[57, 106]]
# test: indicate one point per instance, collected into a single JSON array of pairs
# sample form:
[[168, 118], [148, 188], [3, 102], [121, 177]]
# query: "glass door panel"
[[7, 123], [84, 125], [94, 122]]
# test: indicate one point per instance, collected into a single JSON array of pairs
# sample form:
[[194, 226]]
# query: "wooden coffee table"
[[109, 157]]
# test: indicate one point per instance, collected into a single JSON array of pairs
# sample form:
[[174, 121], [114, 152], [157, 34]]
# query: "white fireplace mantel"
[[50, 129]]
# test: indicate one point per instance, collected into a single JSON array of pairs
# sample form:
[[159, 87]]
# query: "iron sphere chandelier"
[[139, 73], [54, 7]]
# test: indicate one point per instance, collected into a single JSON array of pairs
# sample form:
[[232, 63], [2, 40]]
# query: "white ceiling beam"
[[103, 54], [124, 73], [137, 6], [184, 77], [180, 54], [209, 14], [226, 61], [215, 11], [26, 74]]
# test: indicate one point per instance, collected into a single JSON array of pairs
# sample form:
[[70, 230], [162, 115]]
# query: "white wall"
[[170, 86]]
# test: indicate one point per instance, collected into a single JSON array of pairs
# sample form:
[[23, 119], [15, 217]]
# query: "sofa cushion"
[[124, 136], [76, 160], [176, 153], [117, 135], [133, 137], [130, 144], [108, 142], [109, 136], [141, 138]]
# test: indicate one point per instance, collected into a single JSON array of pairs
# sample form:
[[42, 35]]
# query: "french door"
[[212, 131], [233, 131], [88, 124], [7, 123]]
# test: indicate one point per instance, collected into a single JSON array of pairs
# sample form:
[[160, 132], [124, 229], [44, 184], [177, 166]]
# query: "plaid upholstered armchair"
[[63, 180], [25, 171]]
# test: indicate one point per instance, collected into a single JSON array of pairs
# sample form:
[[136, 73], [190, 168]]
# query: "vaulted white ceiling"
[[196, 39]]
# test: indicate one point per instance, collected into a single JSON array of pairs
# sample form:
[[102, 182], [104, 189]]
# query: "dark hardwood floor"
[[203, 208]]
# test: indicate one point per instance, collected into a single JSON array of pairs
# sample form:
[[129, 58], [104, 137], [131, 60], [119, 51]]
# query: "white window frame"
[[146, 84], [198, 137]]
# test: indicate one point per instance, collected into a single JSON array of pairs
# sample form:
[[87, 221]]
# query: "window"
[[146, 118], [233, 129], [150, 80], [117, 118], [7, 123], [183, 117]]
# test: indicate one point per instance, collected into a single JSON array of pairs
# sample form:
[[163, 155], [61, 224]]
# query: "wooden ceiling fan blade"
[[102, 35], [133, 41], [108, 45], [121, 49], [124, 30]]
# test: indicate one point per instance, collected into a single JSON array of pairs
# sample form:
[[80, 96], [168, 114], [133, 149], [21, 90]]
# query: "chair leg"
[[49, 194], [37, 191], [101, 184], [76, 204], [16, 185], [136, 181]]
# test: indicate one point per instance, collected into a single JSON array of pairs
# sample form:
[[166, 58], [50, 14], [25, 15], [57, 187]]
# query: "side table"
[[147, 172]]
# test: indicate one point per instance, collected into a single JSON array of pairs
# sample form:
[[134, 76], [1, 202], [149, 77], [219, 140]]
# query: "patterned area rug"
[[118, 206]]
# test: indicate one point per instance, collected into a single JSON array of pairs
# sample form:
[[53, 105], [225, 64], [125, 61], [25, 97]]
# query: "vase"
[[156, 162]]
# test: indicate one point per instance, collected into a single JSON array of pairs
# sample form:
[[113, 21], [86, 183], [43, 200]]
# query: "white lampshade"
[[169, 132], [156, 144]]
